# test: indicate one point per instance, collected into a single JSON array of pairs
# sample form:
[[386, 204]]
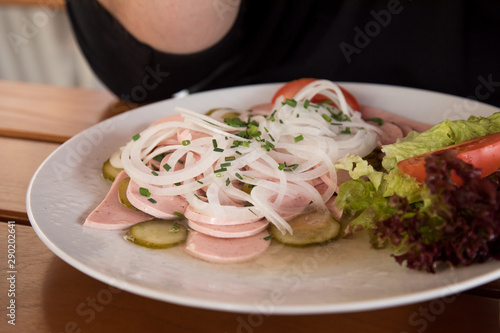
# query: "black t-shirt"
[[442, 45]]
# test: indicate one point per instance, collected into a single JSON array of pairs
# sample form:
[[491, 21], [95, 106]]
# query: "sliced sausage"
[[405, 124], [226, 250], [162, 207], [195, 216], [229, 231], [111, 214]]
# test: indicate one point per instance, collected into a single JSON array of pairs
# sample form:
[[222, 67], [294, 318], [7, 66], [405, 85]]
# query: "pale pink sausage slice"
[[162, 207], [173, 117], [229, 231], [189, 135], [262, 109], [392, 132], [193, 215], [405, 124], [334, 211], [111, 214], [226, 250]]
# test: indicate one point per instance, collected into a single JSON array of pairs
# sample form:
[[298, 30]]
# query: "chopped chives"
[[214, 143], [175, 228], [136, 137], [326, 117], [253, 131], [298, 138], [152, 200], [225, 165], [186, 142], [252, 212], [154, 173], [268, 237], [159, 158], [228, 182], [268, 145], [378, 121], [306, 103], [144, 191], [271, 118], [238, 176], [291, 102], [167, 167], [220, 170], [178, 184], [178, 214], [219, 150], [346, 131], [237, 152], [199, 181], [229, 158], [271, 137]]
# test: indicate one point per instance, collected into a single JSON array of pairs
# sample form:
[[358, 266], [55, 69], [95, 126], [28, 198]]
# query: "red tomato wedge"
[[288, 90], [483, 153]]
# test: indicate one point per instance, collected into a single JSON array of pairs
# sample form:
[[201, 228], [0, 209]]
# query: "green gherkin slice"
[[109, 172], [310, 228], [157, 234], [122, 193]]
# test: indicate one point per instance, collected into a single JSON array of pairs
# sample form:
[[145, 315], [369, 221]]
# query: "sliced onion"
[[296, 146]]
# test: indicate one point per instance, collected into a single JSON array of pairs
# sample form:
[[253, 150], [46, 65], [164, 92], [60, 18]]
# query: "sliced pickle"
[[157, 234], [109, 172], [247, 188], [228, 114], [122, 193], [310, 228], [209, 112]]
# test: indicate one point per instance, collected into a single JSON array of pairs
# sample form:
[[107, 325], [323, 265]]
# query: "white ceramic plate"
[[344, 276]]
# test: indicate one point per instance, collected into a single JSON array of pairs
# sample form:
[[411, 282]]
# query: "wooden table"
[[51, 296]]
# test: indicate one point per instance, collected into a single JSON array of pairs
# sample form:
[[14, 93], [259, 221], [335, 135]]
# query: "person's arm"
[[173, 26]]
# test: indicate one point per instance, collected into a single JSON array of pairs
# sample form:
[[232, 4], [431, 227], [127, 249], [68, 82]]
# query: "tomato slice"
[[483, 153], [288, 90]]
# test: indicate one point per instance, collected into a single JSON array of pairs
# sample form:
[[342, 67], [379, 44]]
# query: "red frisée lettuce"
[[459, 226], [431, 224]]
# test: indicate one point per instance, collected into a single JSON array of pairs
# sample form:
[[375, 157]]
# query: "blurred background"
[[37, 45]]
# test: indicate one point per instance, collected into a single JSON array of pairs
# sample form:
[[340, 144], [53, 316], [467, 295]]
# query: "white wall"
[[37, 45]]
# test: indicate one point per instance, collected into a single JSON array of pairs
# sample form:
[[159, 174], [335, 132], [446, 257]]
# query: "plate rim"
[[352, 306]]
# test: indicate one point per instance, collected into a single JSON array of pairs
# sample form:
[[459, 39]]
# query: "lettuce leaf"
[[433, 223], [364, 199], [455, 226], [442, 135]]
